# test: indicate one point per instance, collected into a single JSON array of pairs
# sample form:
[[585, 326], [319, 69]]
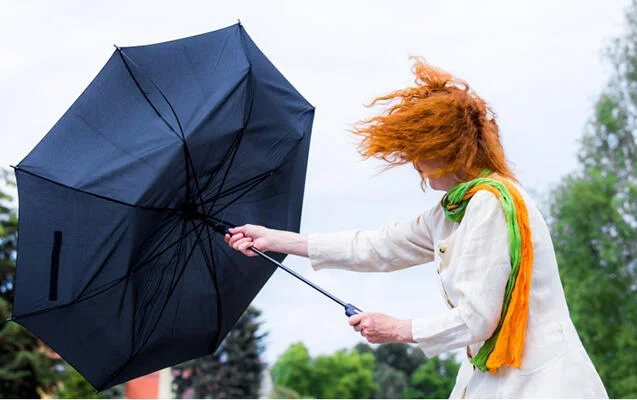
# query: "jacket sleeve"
[[479, 278], [396, 245]]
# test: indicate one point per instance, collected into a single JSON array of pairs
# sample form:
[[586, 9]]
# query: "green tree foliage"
[[400, 356], [593, 221], [402, 370], [388, 371], [391, 382], [294, 370], [233, 371], [341, 375], [433, 380], [395, 364], [344, 375]]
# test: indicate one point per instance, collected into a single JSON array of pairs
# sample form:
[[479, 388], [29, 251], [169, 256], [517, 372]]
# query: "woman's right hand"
[[243, 237]]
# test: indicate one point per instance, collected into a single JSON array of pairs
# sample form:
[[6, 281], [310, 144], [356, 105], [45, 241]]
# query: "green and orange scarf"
[[506, 344]]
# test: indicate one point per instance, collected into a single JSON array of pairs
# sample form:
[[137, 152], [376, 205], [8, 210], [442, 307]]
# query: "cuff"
[[329, 250], [441, 333]]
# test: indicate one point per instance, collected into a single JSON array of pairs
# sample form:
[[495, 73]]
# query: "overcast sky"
[[536, 62]]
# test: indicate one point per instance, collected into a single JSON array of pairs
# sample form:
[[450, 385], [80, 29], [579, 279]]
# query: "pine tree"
[[233, 371]]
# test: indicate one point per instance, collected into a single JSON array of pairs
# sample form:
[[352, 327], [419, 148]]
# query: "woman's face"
[[444, 182]]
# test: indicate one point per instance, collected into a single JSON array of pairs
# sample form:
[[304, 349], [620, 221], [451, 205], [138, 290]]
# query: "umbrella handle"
[[351, 309]]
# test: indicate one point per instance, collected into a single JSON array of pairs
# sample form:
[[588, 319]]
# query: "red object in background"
[[144, 387]]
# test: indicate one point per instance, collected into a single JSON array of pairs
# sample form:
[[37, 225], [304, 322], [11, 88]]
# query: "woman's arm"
[[265, 239], [394, 246]]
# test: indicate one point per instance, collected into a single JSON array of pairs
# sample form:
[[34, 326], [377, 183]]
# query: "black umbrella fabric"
[[119, 267]]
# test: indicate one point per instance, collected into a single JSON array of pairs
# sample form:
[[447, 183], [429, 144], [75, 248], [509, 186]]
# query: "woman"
[[489, 242]]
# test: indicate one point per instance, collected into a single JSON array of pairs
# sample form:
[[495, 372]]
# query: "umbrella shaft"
[[291, 272], [222, 227]]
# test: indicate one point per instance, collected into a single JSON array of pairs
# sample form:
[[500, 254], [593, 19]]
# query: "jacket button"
[[443, 249]]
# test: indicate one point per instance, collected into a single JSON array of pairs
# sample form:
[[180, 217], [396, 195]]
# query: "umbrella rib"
[[102, 288], [218, 295], [181, 292], [212, 271], [150, 334], [234, 153], [240, 186], [225, 176], [156, 87], [226, 155], [154, 257], [189, 164], [123, 57], [245, 192], [151, 299], [143, 207], [99, 270]]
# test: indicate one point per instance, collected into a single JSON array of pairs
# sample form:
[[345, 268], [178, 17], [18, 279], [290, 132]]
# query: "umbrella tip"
[[238, 22], [12, 166], [116, 46]]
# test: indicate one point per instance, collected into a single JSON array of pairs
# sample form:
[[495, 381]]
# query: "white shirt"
[[473, 263]]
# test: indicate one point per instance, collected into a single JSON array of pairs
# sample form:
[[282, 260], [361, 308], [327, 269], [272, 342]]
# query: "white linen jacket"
[[473, 264]]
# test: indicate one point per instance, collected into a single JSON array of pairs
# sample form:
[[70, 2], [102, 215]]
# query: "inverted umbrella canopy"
[[119, 268]]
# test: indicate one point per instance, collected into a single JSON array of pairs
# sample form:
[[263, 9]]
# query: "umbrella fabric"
[[119, 268]]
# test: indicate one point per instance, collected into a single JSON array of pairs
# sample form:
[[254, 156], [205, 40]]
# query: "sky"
[[538, 63]]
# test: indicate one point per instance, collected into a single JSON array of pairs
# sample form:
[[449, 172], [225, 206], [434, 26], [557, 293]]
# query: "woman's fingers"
[[235, 238], [356, 319], [237, 244], [235, 230], [244, 244], [241, 238]]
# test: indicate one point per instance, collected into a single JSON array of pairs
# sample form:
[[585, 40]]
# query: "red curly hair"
[[439, 120]]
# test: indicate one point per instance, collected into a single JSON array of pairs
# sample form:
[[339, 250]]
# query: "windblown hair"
[[438, 120]]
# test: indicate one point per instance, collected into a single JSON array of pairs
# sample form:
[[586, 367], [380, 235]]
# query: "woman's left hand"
[[381, 328]]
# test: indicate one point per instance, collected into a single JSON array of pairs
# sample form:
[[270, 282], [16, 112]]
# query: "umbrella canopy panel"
[[119, 268]]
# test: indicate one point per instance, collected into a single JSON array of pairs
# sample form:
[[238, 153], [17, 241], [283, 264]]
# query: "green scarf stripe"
[[455, 197]]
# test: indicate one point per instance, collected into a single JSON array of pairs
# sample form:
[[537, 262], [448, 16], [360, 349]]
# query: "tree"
[[391, 382], [293, 370], [593, 221], [344, 375], [233, 371], [433, 380], [400, 356], [341, 375]]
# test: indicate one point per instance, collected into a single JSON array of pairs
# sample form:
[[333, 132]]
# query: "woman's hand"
[[381, 328], [243, 237]]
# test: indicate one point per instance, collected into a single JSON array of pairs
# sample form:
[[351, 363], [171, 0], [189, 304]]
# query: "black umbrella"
[[121, 268]]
